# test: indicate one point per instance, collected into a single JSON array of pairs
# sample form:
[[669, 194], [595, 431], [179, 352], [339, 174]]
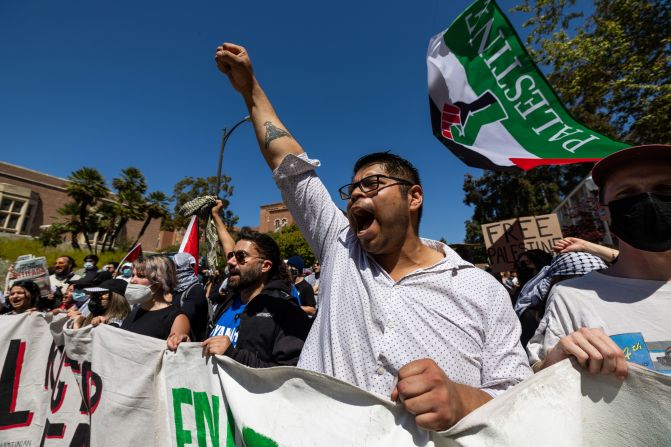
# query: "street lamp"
[[224, 139]]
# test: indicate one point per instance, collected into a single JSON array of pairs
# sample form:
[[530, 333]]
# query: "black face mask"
[[96, 308], [643, 221]]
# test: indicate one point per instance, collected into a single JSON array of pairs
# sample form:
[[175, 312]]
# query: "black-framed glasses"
[[240, 256], [370, 184]]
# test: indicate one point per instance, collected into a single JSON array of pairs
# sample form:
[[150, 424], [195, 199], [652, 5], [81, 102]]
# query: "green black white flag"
[[492, 107]]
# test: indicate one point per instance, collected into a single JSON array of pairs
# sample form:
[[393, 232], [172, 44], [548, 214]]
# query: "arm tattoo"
[[273, 133]]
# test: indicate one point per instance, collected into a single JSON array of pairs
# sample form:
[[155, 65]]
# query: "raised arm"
[[274, 139], [225, 238]]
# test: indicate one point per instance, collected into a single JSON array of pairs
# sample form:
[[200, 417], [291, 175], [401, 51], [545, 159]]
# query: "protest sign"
[[507, 239], [107, 387], [30, 268]]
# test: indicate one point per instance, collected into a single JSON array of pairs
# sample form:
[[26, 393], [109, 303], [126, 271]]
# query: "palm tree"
[[130, 203], [86, 186], [156, 208], [71, 212]]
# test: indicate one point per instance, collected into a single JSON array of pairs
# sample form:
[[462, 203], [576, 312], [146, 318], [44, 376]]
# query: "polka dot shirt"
[[369, 326]]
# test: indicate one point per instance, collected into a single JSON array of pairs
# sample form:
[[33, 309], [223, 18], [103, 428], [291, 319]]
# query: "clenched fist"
[[234, 62]]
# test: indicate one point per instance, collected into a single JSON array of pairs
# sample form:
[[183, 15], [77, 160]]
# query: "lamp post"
[[224, 138]]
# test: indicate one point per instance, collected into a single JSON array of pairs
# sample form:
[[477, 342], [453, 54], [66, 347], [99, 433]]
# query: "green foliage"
[[189, 188], [129, 202], [86, 186], [291, 242], [612, 69], [11, 249], [52, 236], [500, 195]]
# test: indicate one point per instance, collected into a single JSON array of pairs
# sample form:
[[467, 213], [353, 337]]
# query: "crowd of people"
[[395, 314]]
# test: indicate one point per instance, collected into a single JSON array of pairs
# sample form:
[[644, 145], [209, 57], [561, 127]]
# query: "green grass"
[[10, 249]]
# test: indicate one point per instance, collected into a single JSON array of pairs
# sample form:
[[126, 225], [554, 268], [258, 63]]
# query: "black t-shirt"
[[155, 323], [307, 294], [194, 306]]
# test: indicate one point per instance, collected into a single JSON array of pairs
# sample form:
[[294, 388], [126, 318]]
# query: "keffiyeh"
[[564, 264], [201, 206]]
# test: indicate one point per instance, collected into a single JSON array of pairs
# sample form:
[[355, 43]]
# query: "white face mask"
[[137, 294]]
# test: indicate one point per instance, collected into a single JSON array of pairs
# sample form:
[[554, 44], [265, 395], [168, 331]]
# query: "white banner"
[[110, 387]]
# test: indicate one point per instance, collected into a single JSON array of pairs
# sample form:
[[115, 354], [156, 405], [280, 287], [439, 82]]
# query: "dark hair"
[[393, 165], [266, 246], [91, 256], [71, 260], [31, 287], [540, 258], [114, 264]]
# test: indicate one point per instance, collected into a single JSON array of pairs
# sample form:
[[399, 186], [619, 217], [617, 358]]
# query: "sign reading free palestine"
[[492, 107]]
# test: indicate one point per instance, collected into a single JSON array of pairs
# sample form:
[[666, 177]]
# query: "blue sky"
[[133, 83]]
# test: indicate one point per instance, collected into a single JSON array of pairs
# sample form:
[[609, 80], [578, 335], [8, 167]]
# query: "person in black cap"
[[633, 295], [81, 296], [107, 304]]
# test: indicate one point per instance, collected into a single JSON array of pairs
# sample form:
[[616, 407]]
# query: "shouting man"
[[400, 316]]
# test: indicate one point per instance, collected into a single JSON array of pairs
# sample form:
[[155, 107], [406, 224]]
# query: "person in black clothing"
[[189, 295], [305, 290], [157, 317], [257, 324]]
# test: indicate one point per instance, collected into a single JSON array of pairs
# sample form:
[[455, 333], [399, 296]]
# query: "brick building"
[[274, 217], [29, 201]]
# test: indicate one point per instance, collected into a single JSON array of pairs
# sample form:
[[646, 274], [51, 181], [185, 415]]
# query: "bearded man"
[[256, 324]]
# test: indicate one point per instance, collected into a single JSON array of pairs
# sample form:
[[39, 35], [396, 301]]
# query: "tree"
[[86, 186], [501, 195], [612, 70], [130, 202], [189, 188], [52, 236], [156, 208], [70, 211], [291, 242]]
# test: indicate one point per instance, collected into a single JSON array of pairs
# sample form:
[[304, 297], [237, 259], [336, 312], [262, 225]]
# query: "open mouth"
[[363, 219]]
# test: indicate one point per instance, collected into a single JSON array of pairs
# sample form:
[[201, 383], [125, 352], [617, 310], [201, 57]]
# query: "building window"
[[284, 222], [12, 213], [277, 224]]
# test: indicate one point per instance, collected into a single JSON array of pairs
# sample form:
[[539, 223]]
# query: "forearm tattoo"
[[273, 132]]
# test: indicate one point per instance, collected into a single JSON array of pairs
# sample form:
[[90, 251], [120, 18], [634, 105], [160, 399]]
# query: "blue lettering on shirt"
[[229, 321]]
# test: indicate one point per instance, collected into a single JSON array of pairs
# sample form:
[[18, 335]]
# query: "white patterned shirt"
[[369, 326]]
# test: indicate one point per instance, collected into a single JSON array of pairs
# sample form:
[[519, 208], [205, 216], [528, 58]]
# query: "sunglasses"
[[240, 256], [370, 184]]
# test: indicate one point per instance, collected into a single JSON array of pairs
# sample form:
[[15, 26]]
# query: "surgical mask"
[[127, 273], [79, 296], [88, 265], [96, 307], [137, 294], [643, 221]]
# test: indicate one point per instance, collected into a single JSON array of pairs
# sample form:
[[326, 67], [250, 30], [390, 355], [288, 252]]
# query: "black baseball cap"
[[111, 285], [647, 152]]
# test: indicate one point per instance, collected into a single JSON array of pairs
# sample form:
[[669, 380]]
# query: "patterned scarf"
[[538, 287], [201, 207], [186, 276]]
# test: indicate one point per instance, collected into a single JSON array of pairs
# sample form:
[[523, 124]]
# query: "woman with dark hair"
[[23, 296], [156, 316]]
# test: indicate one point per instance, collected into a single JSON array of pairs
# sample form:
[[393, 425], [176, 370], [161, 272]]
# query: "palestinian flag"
[[492, 107], [133, 255], [190, 241]]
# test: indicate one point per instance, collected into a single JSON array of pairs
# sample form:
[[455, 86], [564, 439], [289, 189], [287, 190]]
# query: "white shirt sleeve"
[[310, 204]]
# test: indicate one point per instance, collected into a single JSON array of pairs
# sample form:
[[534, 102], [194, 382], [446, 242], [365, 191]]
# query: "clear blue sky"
[[133, 83]]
